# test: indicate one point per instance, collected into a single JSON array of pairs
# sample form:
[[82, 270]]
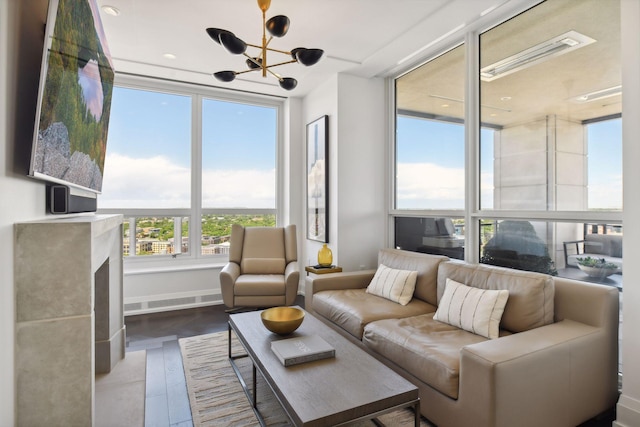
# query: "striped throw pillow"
[[473, 309], [392, 284]]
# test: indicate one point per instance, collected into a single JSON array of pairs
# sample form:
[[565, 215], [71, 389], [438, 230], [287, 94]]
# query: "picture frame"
[[318, 180]]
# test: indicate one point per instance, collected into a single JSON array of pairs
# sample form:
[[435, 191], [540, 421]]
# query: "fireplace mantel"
[[69, 314]]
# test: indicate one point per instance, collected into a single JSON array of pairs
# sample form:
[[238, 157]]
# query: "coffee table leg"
[[255, 388], [252, 397], [416, 410]]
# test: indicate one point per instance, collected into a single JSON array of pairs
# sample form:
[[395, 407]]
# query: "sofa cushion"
[[392, 284], [426, 348], [475, 310], [531, 295], [425, 264], [353, 309]]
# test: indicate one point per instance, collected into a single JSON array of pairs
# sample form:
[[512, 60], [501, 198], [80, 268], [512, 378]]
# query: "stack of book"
[[293, 351]]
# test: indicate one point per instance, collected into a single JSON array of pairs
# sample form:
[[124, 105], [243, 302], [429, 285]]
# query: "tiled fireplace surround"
[[69, 315]]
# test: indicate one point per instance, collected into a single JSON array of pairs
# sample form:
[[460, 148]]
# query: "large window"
[[148, 162], [542, 173], [184, 163], [430, 135]]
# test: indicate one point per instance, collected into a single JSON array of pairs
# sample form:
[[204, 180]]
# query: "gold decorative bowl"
[[282, 320]]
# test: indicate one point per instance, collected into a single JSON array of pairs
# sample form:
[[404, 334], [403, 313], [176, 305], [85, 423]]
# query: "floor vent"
[[211, 298], [133, 306]]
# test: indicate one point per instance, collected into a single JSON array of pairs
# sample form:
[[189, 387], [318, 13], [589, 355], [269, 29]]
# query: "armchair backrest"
[[263, 250]]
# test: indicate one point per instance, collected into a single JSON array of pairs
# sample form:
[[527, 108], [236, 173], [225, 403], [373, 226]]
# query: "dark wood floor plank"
[[178, 400], [156, 380], [156, 413]]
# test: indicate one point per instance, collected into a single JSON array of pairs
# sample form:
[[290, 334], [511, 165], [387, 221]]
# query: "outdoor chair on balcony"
[[263, 267]]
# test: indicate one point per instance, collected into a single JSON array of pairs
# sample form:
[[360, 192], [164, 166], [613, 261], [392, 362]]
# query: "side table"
[[322, 270]]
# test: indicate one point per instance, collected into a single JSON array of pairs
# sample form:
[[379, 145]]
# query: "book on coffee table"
[[293, 351]]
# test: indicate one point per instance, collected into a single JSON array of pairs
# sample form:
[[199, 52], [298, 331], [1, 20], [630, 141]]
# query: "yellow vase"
[[325, 257]]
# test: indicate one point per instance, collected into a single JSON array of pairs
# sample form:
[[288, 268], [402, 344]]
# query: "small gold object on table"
[[325, 256], [282, 320]]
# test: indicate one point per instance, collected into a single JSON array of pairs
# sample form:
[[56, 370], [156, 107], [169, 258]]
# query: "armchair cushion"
[[475, 310], [262, 265]]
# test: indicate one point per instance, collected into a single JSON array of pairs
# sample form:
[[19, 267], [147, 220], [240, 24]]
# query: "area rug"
[[217, 398]]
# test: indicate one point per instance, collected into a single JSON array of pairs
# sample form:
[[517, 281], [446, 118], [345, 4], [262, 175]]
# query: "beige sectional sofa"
[[554, 363]]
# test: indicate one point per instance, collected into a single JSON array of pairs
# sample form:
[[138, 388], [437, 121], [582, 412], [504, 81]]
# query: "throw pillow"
[[392, 284], [473, 309]]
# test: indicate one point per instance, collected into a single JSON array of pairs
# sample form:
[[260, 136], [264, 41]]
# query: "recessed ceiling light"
[[505, 98], [445, 105], [169, 56], [111, 10]]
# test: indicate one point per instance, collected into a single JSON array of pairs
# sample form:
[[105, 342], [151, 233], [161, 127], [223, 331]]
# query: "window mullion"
[[195, 225], [472, 144]]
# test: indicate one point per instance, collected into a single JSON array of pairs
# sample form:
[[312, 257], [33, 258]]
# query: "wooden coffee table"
[[350, 387]]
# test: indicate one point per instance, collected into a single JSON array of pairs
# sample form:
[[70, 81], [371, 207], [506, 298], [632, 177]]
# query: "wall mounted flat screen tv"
[[74, 98]]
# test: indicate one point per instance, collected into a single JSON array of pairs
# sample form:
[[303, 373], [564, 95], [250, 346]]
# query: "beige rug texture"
[[217, 398]]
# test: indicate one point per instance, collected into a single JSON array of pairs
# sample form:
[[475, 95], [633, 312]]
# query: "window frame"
[[472, 212], [193, 258]]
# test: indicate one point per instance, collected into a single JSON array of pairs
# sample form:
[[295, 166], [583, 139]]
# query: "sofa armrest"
[[544, 374], [334, 281]]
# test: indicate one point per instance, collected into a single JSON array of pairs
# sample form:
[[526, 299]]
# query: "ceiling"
[[362, 37], [545, 88]]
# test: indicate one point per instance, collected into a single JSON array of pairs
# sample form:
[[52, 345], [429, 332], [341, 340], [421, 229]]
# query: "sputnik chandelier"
[[277, 27]]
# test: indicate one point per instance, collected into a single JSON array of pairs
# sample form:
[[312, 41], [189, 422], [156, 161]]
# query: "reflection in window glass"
[[437, 235], [430, 135], [535, 94], [556, 248], [605, 164], [148, 162], [238, 155]]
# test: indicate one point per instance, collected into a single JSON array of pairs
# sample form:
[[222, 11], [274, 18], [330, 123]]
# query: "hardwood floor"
[[167, 403]]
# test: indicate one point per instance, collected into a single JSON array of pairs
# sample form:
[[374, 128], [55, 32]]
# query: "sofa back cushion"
[[426, 265], [531, 295]]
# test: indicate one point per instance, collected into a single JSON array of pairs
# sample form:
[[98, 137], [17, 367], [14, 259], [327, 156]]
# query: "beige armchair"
[[263, 267]]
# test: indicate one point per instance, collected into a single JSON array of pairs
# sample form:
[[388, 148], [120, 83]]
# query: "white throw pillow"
[[473, 309], [392, 284]]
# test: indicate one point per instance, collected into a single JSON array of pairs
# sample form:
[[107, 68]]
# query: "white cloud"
[[427, 185], [606, 194], [156, 182]]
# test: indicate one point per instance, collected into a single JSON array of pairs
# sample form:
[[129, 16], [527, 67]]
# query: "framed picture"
[[317, 180]]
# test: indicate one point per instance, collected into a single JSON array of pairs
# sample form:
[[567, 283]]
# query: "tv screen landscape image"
[[74, 98]]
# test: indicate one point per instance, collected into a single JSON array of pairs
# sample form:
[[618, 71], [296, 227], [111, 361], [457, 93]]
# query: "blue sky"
[[149, 157], [149, 152], [431, 165]]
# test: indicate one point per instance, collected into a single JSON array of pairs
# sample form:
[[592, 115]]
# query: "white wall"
[[357, 168], [362, 171], [628, 410], [21, 198]]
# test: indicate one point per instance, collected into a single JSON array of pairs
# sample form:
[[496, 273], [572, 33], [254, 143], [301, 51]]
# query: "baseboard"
[[169, 302], [627, 412]]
